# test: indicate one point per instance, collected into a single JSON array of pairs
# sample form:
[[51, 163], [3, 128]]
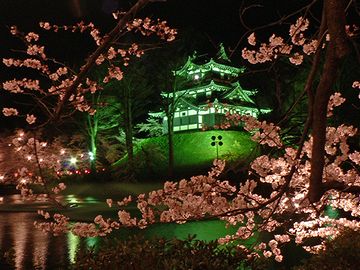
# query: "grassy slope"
[[193, 152]]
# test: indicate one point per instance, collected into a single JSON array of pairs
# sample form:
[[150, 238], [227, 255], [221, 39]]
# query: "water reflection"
[[33, 249], [73, 243]]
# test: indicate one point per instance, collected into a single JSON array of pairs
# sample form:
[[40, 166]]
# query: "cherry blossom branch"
[[340, 186], [310, 78], [42, 177], [278, 22], [109, 38]]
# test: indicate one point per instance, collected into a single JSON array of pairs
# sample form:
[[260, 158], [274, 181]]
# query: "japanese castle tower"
[[206, 91]]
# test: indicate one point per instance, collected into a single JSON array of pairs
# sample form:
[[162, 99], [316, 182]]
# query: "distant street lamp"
[[73, 160], [216, 141], [91, 156]]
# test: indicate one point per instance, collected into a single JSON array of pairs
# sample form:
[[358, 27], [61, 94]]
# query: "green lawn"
[[193, 152]]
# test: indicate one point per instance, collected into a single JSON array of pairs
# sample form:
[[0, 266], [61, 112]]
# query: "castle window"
[[184, 120]]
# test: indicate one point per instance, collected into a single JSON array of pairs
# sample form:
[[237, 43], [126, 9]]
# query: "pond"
[[33, 249]]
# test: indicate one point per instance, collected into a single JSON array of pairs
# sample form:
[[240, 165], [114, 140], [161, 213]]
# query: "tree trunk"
[[129, 133], [334, 10], [171, 144], [92, 131], [93, 151]]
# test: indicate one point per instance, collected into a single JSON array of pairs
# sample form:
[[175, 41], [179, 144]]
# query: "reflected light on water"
[[72, 199], [40, 251], [73, 244], [20, 234], [32, 248], [92, 242]]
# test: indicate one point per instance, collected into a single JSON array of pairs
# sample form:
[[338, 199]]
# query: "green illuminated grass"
[[193, 152]]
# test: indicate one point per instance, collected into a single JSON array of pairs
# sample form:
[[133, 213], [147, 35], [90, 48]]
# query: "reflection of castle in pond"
[[205, 91]]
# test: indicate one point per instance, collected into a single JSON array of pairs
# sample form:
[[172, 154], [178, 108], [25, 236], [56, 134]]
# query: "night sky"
[[218, 20]]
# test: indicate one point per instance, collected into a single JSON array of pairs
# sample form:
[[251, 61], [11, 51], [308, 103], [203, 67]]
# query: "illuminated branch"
[[109, 38]]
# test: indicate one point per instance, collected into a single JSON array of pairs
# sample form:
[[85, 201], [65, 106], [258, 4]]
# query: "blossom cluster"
[[244, 206], [262, 132], [61, 78], [278, 47], [287, 177], [335, 100], [202, 196], [147, 27], [80, 27], [33, 162]]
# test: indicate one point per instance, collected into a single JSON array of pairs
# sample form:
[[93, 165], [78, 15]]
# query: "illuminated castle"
[[205, 92]]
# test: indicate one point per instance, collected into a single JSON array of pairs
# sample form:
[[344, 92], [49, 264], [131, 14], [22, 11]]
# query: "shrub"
[[340, 254], [138, 253]]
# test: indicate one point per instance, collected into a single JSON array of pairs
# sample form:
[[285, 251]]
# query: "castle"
[[205, 91]]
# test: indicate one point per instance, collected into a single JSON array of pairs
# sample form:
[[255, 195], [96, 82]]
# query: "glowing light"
[[73, 160], [91, 155], [41, 160], [82, 155], [23, 181], [43, 144], [196, 77], [28, 157], [21, 134], [1, 199], [62, 151], [2, 177]]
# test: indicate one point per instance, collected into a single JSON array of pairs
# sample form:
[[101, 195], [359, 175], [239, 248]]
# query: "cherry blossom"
[[10, 111], [30, 118], [252, 39], [286, 174]]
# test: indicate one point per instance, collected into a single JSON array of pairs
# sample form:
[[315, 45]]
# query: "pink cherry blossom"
[[10, 111], [30, 118]]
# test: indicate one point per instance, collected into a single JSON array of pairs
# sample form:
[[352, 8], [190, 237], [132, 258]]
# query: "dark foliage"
[[340, 254], [138, 253]]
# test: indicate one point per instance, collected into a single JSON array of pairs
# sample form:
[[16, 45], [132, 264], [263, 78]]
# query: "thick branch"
[[341, 186], [109, 38], [319, 122], [335, 14]]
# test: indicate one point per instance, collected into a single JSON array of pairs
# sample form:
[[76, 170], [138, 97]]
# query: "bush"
[[340, 254], [138, 253]]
